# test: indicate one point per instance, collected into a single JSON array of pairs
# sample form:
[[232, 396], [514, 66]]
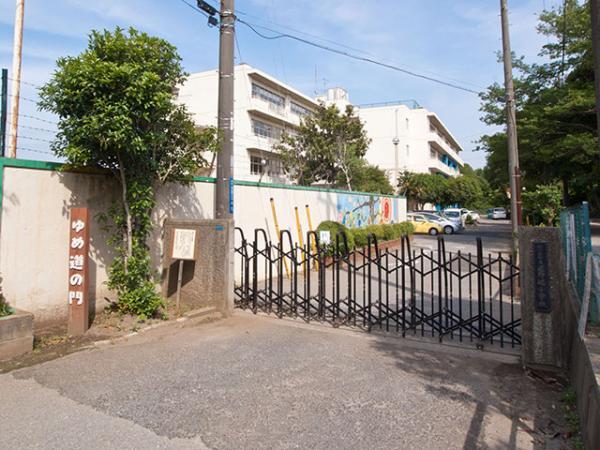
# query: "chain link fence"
[[583, 266]]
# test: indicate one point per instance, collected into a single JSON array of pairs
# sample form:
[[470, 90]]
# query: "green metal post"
[[3, 109]]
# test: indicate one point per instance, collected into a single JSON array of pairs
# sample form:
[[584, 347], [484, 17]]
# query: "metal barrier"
[[577, 244], [444, 294]]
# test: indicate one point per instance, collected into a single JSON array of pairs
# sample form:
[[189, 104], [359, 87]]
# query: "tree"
[[464, 190], [326, 144], [543, 205], [116, 109], [369, 178], [555, 112], [422, 188]]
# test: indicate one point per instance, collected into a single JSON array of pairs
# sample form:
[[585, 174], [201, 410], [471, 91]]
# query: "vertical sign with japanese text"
[[78, 271]]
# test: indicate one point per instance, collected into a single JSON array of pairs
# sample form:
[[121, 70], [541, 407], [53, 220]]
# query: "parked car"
[[449, 226], [422, 225], [497, 213], [455, 214]]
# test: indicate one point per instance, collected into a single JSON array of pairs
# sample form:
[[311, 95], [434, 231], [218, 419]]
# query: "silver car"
[[449, 226]]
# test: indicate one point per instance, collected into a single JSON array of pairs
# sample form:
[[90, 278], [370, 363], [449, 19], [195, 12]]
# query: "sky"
[[456, 41]]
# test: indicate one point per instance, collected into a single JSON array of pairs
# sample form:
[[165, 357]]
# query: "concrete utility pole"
[[595, 14], [16, 78], [224, 198], [514, 174]]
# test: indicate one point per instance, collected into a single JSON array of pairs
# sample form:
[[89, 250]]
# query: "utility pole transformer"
[[224, 197], [514, 174], [595, 14], [16, 78]]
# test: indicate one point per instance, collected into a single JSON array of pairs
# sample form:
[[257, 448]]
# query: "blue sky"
[[456, 41]]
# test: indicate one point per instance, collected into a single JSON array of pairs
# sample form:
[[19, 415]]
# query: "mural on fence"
[[356, 211]]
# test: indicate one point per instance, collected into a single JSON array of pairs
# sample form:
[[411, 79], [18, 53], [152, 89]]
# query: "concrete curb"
[[189, 318]]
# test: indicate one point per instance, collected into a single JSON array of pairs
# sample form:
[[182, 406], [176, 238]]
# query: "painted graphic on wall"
[[356, 211]]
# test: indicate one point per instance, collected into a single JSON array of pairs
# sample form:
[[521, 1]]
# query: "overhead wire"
[[372, 60], [352, 56]]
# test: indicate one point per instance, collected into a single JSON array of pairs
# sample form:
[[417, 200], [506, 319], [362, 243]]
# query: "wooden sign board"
[[183, 245], [79, 239]]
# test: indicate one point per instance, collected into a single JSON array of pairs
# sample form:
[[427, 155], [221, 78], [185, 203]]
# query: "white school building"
[[404, 136]]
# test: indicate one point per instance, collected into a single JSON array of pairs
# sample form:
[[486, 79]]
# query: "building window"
[[299, 110], [265, 130], [270, 97], [432, 153], [262, 166], [407, 123], [256, 165], [407, 150]]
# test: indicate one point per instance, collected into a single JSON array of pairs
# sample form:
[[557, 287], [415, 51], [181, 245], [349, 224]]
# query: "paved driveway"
[[254, 382], [495, 236]]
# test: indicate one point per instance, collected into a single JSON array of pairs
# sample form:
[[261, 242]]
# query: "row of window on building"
[[277, 101], [265, 166], [443, 158]]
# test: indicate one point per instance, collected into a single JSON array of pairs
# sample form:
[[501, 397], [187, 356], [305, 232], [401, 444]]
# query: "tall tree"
[[369, 178], [555, 111], [327, 143], [116, 109]]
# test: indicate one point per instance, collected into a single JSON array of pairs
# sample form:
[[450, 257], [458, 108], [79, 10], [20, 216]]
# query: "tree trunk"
[[128, 220]]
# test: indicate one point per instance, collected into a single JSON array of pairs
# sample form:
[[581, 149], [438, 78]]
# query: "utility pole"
[[514, 174], [16, 78], [224, 197], [595, 14], [3, 107]]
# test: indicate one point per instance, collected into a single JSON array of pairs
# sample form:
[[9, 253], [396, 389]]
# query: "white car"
[[497, 213], [456, 213]]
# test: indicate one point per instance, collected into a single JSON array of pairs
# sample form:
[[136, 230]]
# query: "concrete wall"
[[34, 225]]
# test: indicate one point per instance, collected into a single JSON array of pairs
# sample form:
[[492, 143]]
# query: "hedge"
[[358, 237]]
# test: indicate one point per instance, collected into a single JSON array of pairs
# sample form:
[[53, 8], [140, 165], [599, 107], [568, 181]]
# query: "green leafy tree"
[[555, 112], [369, 178], [422, 188], [465, 190], [543, 205], [327, 146], [116, 109]]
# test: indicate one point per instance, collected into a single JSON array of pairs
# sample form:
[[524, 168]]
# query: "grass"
[[572, 418]]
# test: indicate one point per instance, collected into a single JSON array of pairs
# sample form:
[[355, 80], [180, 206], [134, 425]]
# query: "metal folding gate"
[[439, 293]]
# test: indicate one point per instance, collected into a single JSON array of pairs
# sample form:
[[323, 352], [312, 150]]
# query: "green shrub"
[[377, 230], [5, 310], [389, 232], [334, 229], [404, 229], [360, 236]]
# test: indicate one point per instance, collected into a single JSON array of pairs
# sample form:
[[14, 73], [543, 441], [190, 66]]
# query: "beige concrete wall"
[[34, 238], [35, 228]]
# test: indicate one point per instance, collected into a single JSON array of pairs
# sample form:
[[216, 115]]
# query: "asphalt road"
[[494, 234], [254, 382]]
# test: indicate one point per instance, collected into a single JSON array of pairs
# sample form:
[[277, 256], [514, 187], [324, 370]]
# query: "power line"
[[25, 82], [38, 119], [45, 152], [31, 138], [194, 8], [352, 56], [280, 35]]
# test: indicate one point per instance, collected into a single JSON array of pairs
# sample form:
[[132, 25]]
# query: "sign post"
[[183, 249], [78, 272]]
